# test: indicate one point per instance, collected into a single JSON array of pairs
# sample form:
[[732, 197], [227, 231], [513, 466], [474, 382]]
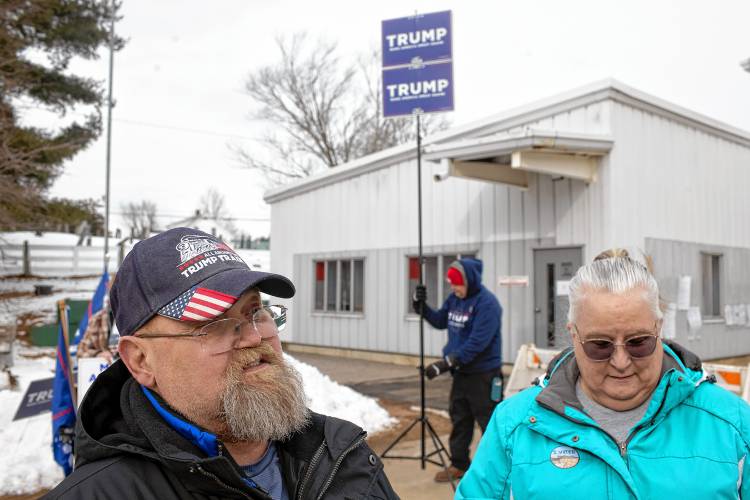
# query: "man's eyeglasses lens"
[[222, 335], [638, 347]]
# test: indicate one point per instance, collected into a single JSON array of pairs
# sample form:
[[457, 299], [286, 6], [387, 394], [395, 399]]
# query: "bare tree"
[[141, 217], [213, 205], [323, 111]]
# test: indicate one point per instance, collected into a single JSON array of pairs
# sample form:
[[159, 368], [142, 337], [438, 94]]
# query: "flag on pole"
[[63, 408], [95, 305]]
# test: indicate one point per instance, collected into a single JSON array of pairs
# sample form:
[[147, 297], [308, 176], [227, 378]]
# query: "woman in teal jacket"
[[685, 437]]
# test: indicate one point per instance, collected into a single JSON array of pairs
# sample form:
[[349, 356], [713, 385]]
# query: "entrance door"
[[553, 270]]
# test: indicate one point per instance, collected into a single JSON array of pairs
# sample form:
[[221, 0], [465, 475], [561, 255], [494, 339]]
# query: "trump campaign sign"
[[417, 64], [427, 89], [38, 399], [427, 36]]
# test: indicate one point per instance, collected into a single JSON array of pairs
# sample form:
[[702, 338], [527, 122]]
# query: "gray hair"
[[613, 275]]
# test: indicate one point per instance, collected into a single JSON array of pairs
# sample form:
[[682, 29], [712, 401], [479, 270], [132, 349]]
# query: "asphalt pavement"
[[381, 380]]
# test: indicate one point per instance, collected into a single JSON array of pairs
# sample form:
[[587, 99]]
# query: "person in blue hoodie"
[[473, 317]]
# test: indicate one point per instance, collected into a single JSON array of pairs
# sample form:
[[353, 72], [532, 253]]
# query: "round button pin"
[[564, 457]]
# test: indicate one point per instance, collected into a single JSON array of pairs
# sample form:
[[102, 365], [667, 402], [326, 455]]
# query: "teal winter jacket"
[[692, 442]]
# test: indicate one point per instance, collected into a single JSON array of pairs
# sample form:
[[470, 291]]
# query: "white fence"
[[57, 260]]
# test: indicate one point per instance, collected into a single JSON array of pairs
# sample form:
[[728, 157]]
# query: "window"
[[435, 267], [339, 285], [711, 264]]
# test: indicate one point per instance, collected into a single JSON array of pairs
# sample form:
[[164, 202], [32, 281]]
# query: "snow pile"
[[330, 398], [26, 463]]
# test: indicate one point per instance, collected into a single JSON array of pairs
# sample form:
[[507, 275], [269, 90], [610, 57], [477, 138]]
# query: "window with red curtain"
[[339, 285], [320, 279]]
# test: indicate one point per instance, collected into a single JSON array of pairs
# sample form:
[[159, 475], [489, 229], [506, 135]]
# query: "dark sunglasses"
[[640, 346]]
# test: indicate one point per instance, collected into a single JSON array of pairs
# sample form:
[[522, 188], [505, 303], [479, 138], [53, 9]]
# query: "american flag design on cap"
[[198, 304]]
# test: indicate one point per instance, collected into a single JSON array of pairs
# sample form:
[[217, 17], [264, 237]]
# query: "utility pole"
[[109, 134]]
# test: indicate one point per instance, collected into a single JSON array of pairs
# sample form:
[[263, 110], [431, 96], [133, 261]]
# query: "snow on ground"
[[45, 306], [45, 238], [26, 463], [258, 260]]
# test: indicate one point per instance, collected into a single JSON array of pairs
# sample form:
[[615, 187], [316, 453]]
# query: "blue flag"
[[95, 305], [63, 408]]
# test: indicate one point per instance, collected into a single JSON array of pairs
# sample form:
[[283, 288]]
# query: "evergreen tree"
[[38, 39]]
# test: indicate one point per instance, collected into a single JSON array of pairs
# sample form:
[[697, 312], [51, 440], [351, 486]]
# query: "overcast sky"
[[178, 81]]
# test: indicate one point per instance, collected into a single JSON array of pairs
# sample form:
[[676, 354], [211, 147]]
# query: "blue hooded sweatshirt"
[[473, 323]]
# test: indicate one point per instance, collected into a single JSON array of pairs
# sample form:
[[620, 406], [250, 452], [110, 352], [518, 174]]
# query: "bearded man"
[[201, 403]]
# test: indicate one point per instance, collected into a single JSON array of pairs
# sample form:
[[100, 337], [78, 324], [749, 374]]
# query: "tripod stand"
[[426, 426]]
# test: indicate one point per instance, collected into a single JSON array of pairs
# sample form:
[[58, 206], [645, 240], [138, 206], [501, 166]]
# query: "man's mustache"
[[250, 355]]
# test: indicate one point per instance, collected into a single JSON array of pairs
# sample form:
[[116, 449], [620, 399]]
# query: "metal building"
[[534, 192]]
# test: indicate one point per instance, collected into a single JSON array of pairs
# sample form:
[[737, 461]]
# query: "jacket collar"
[[206, 441]]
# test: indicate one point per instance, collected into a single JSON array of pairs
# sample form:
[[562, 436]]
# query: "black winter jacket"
[[124, 449]]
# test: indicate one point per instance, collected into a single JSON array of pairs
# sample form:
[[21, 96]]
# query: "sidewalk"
[[398, 389]]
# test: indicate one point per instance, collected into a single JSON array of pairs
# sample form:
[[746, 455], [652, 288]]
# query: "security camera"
[[441, 176]]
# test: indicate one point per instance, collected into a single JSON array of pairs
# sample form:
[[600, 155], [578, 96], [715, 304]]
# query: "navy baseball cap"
[[184, 274]]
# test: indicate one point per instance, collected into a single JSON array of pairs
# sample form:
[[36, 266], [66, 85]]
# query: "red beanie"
[[455, 276]]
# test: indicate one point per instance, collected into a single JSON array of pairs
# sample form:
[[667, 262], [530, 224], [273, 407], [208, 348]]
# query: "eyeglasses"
[[223, 335], [638, 346]]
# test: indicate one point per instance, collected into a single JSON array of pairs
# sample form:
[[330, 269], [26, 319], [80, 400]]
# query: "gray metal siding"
[[672, 181], [673, 259]]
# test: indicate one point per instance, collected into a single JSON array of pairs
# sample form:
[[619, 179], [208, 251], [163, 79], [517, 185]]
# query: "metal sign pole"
[[421, 283], [109, 136], [425, 425]]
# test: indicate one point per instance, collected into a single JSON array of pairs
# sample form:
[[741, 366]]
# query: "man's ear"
[[138, 359]]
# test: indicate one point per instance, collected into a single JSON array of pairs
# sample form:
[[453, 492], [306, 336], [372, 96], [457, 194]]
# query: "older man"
[[202, 403], [622, 414]]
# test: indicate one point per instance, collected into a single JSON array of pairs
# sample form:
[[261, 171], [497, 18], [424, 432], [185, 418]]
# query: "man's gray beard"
[[271, 407]]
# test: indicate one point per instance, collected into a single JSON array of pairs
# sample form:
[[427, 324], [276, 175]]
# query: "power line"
[[150, 124], [181, 129], [185, 216]]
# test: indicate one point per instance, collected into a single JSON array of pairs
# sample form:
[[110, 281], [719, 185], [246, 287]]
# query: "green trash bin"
[[46, 335]]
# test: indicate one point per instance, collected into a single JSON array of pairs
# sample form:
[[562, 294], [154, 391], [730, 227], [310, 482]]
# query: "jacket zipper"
[[624, 444], [337, 465], [222, 483], [311, 469]]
